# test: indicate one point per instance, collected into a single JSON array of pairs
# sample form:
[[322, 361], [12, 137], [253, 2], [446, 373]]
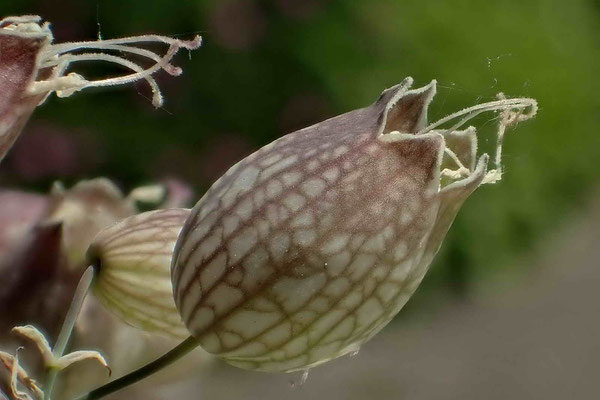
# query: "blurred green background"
[[267, 68]]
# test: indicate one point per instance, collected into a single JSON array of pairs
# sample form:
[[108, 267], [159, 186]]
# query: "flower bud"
[[133, 259], [308, 247]]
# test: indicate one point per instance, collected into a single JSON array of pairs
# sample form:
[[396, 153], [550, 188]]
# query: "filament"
[[472, 112], [171, 69], [93, 44], [60, 57], [69, 88], [512, 112]]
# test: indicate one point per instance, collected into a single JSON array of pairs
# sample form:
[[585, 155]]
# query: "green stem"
[[65, 332], [173, 355]]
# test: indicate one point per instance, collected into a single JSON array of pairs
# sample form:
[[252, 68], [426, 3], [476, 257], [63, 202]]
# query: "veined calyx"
[[308, 247], [131, 260]]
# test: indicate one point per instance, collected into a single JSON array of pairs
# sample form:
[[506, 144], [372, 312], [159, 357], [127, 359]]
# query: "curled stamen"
[[508, 118], [472, 112], [70, 85], [461, 171], [169, 68], [65, 87], [512, 112], [60, 56]]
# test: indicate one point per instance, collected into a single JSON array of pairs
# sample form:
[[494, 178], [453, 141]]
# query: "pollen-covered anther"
[[58, 58]]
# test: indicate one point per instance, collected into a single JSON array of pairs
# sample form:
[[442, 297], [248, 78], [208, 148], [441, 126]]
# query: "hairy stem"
[[173, 355], [65, 333]]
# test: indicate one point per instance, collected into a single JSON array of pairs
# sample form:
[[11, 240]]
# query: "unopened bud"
[[133, 261]]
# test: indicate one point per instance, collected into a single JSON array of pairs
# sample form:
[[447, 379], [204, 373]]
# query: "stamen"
[[512, 111], [472, 112], [170, 69], [60, 56], [508, 117], [69, 84], [461, 171], [71, 46]]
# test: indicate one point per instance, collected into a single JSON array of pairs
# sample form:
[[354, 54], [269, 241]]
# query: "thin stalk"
[[65, 333], [173, 355]]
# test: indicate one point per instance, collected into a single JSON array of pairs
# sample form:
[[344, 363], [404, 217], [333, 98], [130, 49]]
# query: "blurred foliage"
[[269, 67]]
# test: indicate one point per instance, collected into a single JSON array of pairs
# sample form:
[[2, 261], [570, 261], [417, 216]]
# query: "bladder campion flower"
[[308, 247], [32, 67]]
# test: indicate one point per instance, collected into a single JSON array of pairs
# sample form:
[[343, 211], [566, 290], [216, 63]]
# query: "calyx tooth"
[[406, 110]]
